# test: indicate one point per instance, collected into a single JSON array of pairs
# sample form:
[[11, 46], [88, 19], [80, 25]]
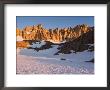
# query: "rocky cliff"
[[38, 32]]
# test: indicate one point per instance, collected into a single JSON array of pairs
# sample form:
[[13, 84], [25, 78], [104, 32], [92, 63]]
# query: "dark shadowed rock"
[[90, 61], [62, 59]]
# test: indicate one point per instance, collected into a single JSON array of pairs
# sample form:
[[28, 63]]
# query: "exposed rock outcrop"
[[22, 44]]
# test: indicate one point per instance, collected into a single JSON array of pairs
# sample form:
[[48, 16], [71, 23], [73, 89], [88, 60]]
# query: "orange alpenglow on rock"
[[22, 44], [37, 32]]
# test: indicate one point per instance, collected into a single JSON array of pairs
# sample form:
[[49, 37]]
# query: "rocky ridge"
[[38, 32]]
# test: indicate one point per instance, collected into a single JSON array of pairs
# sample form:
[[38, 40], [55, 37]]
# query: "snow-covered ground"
[[19, 38], [38, 44], [29, 61], [57, 42]]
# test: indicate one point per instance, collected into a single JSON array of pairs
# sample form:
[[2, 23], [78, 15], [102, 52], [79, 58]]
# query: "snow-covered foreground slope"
[[32, 65], [30, 61]]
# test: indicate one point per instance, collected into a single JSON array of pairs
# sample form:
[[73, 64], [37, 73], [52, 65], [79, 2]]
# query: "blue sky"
[[54, 21]]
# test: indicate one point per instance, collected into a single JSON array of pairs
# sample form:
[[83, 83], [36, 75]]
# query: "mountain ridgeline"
[[38, 32]]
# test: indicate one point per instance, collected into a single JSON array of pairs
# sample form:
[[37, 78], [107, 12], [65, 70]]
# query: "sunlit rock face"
[[38, 32], [18, 32], [22, 44]]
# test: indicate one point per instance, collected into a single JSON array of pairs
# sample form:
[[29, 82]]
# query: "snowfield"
[[30, 65], [29, 61], [37, 44]]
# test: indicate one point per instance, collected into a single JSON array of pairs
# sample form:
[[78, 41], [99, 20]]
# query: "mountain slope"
[[84, 42]]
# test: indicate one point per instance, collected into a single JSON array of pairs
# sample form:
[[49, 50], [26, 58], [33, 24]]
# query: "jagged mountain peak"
[[38, 32]]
